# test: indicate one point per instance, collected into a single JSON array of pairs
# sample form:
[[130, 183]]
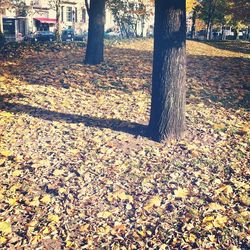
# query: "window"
[[62, 13], [69, 14]]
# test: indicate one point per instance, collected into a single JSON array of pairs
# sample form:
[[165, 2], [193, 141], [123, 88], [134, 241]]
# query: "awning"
[[45, 20]]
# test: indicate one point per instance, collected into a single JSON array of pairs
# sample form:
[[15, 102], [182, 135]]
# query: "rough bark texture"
[[167, 118], [95, 46]]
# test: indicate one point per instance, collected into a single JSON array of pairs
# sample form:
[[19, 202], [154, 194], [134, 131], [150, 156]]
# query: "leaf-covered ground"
[[78, 173]]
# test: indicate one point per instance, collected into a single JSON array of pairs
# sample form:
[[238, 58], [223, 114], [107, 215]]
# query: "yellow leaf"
[[35, 202], [5, 227], [155, 201], [58, 172], [104, 214], [181, 193], [3, 240], [74, 151], [46, 199], [62, 190], [68, 243], [163, 247], [208, 219], [6, 153], [46, 230], [219, 126], [123, 196], [84, 228], [192, 238], [225, 188], [244, 199], [17, 173], [220, 221], [2, 161], [12, 201], [209, 226], [6, 114], [215, 206], [35, 239], [53, 218]]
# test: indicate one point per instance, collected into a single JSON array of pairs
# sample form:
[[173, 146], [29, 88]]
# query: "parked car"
[[81, 37], [112, 34], [44, 36], [68, 35]]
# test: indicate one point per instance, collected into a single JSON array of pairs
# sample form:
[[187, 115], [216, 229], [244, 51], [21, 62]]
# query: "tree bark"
[[193, 24], [167, 118], [58, 31], [95, 45]]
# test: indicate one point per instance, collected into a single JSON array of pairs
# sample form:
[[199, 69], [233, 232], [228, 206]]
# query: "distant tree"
[[238, 15], [240, 10], [95, 44], [192, 8], [128, 15], [56, 4], [167, 117], [212, 12]]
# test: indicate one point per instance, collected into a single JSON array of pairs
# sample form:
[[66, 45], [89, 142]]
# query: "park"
[[81, 170]]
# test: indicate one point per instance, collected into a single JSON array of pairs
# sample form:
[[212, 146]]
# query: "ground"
[[77, 171]]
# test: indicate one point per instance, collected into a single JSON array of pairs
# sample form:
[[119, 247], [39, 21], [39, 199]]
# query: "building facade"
[[41, 15]]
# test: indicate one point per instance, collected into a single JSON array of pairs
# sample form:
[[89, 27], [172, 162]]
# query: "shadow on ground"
[[114, 124], [234, 46], [214, 79]]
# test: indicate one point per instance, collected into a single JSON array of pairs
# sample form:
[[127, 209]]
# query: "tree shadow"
[[234, 46], [219, 80], [216, 80], [132, 128], [119, 71]]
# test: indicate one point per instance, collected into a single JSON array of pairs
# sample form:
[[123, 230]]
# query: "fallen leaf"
[[5, 227], [154, 201], [181, 193], [104, 214]]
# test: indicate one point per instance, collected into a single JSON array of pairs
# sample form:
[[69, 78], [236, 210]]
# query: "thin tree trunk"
[[95, 45], [193, 24], [1, 22], [208, 30], [167, 118], [58, 22]]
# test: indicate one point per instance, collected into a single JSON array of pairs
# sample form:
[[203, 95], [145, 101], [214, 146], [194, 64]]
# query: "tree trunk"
[[58, 38], [208, 30], [167, 118], [193, 24], [1, 22], [223, 35], [95, 45]]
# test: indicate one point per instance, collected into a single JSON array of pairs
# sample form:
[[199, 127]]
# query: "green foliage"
[[212, 11]]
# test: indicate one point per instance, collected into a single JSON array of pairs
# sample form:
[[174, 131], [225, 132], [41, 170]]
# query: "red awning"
[[45, 20]]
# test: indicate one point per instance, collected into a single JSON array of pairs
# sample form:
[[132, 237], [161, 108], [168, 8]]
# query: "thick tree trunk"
[[167, 118], [95, 46]]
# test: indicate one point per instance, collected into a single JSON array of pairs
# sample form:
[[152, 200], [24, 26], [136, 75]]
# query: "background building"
[[40, 15]]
